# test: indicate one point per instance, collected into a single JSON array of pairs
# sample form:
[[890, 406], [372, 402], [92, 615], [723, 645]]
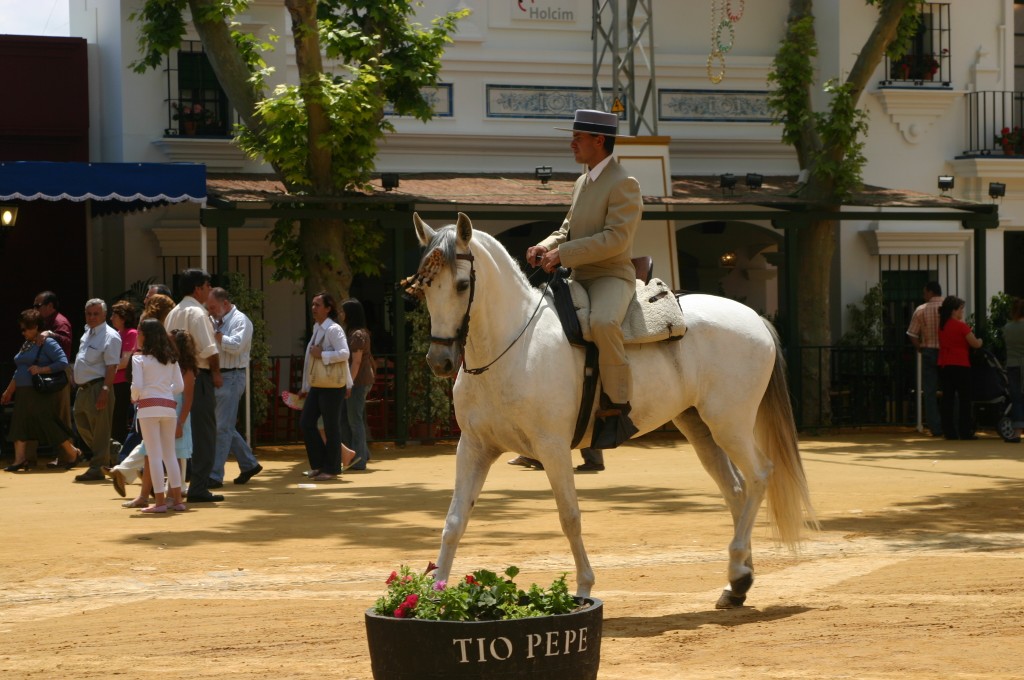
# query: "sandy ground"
[[917, 572]]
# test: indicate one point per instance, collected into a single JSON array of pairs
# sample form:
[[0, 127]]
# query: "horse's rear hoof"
[[730, 600]]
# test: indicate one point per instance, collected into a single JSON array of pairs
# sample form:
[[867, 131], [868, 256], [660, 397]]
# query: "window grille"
[[926, 62], [903, 278], [196, 103]]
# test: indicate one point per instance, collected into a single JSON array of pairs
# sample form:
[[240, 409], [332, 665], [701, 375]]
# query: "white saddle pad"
[[653, 313]]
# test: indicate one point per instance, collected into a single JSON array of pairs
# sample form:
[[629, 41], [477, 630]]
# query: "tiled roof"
[[525, 190]]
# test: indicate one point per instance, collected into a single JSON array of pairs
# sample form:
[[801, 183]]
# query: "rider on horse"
[[606, 210]]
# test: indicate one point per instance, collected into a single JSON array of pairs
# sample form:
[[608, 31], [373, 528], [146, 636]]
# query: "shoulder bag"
[[49, 382], [331, 376]]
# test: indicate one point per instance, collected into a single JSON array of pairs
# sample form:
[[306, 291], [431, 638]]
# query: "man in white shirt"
[[233, 333], [99, 353], [191, 315]]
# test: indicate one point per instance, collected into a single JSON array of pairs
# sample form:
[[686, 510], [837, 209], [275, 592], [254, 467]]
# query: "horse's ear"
[[423, 231], [464, 228]]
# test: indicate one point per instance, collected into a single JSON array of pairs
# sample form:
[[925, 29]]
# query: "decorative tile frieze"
[[522, 101], [729, 106], [439, 97]]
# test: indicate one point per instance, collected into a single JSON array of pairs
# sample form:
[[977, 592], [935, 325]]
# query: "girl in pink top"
[[955, 342], [156, 379]]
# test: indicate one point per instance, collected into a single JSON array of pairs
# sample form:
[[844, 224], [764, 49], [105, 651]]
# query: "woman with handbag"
[[325, 378], [39, 377]]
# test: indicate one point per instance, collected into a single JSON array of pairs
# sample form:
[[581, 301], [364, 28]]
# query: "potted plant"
[[1011, 141], [430, 398], [192, 116], [913, 66], [482, 626]]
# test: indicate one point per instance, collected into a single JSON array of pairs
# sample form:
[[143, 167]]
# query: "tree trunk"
[[817, 246], [324, 254]]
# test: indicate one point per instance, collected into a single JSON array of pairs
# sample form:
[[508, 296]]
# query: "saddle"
[[653, 315]]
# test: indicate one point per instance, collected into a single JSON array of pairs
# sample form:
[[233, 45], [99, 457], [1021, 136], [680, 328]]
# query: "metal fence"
[[387, 407], [869, 386]]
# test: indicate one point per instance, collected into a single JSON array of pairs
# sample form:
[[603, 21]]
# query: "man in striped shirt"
[[924, 334]]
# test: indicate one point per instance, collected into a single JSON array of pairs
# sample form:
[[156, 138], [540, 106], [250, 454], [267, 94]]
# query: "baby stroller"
[[992, 403]]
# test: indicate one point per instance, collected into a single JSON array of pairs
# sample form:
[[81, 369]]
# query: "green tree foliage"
[[319, 134]]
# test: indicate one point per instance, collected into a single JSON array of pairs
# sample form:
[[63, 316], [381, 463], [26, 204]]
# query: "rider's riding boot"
[[612, 425]]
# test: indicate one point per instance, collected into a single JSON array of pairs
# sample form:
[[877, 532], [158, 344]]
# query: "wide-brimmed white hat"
[[595, 122]]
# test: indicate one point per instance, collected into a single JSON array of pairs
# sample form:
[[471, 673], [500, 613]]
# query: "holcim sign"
[[544, 11]]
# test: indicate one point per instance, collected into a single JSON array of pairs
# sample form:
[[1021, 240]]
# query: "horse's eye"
[[462, 286]]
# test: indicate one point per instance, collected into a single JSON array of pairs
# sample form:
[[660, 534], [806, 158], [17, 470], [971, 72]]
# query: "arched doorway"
[[737, 260]]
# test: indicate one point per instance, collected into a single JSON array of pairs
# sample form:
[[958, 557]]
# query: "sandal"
[[136, 503], [154, 509], [72, 463], [348, 457]]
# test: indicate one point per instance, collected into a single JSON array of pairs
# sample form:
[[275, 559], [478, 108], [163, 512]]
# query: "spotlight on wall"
[[389, 180], [945, 182], [996, 190], [8, 215], [754, 180], [727, 181], [543, 173], [727, 260]]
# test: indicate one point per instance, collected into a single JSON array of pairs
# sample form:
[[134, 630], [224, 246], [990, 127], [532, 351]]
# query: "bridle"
[[463, 332], [460, 337]]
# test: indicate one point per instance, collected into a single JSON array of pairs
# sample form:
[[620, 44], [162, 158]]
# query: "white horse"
[[723, 385]]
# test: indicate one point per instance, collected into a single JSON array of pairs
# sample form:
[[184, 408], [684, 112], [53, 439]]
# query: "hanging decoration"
[[723, 35]]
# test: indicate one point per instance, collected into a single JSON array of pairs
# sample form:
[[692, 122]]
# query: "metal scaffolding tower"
[[629, 52]]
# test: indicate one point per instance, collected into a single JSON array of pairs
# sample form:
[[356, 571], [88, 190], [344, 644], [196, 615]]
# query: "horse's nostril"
[[448, 367]]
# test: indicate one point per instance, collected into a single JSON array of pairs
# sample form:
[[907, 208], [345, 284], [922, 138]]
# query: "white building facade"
[[518, 68]]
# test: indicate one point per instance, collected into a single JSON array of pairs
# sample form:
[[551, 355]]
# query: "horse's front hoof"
[[730, 600]]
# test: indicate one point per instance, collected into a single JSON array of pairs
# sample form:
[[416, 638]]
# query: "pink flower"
[[400, 613], [410, 601], [392, 578], [439, 585]]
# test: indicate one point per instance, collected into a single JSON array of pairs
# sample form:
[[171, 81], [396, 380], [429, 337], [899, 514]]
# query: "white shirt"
[[330, 336], [236, 341], [153, 380], [191, 316], [100, 347]]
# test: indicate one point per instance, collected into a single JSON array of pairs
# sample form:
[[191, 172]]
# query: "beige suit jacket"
[[596, 238]]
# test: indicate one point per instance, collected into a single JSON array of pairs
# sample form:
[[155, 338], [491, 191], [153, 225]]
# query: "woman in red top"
[[955, 342]]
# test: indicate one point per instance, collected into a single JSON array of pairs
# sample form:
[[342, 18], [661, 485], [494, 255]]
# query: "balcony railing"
[[989, 113]]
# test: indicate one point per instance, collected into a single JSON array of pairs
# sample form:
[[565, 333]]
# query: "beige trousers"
[[609, 300]]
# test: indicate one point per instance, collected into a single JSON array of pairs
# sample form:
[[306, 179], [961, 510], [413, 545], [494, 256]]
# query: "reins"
[[463, 333]]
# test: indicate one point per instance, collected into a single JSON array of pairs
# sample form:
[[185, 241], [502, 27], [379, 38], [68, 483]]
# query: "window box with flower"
[[914, 67], [192, 117], [1011, 141], [482, 626]]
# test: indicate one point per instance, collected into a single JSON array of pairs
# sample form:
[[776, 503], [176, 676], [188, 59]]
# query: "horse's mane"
[[444, 240]]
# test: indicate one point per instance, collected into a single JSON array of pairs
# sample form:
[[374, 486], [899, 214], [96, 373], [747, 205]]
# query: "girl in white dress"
[[156, 379]]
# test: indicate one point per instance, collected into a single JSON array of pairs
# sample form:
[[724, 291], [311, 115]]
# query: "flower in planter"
[[915, 67], [1011, 141], [194, 113], [480, 596]]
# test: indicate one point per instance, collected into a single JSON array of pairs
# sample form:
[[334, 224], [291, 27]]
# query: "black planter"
[[562, 647]]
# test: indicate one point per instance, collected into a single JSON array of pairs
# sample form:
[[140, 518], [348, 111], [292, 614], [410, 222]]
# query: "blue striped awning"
[[127, 184]]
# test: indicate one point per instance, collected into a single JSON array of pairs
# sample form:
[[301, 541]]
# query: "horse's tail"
[[789, 500]]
